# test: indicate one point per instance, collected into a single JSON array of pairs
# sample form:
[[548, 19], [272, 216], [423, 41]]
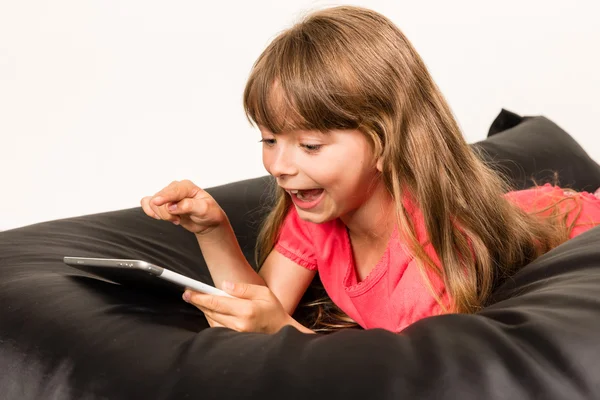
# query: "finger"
[[245, 290], [175, 192], [227, 321], [187, 206], [212, 303], [164, 213], [145, 203]]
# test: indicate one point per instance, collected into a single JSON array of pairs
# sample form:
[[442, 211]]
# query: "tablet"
[[136, 271]]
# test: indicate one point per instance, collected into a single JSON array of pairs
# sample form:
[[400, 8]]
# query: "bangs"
[[292, 88]]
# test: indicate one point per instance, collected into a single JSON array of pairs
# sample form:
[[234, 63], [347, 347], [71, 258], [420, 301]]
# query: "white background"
[[103, 102]]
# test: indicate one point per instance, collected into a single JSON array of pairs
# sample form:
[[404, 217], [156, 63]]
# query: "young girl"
[[377, 190]]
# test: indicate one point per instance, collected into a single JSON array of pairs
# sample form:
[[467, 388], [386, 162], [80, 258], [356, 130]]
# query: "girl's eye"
[[268, 142], [312, 147]]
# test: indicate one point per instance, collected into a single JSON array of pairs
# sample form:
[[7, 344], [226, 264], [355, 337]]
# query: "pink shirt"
[[394, 293]]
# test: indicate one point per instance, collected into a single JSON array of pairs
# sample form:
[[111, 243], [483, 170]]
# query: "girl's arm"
[[185, 204], [287, 280], [224, 257], [261, 303], [226, 262]]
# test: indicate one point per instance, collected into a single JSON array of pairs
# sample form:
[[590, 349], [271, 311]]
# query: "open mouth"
[[307, 194], [306, 198]]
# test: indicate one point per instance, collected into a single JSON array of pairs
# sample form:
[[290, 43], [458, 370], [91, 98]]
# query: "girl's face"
[[328, 175]]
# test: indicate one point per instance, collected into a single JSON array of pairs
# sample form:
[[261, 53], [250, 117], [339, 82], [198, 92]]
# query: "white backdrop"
[[103, 102]]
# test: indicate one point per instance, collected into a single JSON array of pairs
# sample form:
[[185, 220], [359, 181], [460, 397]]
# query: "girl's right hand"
[[185, 204]]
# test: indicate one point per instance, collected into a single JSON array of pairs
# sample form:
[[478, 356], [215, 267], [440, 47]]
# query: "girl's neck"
[[372, 223]]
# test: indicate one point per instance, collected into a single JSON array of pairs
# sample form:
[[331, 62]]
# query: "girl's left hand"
[[254, 309]]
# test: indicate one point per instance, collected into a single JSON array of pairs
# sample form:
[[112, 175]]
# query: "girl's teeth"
[[307, 195]]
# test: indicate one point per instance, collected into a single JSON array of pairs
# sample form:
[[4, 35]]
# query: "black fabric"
[[536, 148], [504, 121], [65, 335]]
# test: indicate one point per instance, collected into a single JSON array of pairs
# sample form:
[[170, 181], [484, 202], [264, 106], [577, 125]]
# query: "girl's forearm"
[[224, 257]]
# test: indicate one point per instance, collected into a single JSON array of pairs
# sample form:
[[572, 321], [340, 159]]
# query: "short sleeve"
[[294, 241]]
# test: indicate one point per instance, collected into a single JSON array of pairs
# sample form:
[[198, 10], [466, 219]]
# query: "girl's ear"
[[379, 164]]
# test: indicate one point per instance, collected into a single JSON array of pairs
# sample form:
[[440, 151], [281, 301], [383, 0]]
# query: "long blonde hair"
[[352, 68]]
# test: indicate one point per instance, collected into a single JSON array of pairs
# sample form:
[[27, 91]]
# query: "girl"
[[377, 190]]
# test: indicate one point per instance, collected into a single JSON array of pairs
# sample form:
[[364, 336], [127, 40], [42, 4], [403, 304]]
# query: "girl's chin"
[[316, 217]]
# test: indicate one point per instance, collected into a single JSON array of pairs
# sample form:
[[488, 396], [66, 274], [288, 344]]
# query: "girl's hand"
[[185, 204], [255, 308]]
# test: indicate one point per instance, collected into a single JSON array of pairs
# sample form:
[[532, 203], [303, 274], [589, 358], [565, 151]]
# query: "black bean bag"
[[68, 335]]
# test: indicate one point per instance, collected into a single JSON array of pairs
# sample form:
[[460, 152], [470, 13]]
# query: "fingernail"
[[186, 296], [227, 285], [172, 207], [176, 222]]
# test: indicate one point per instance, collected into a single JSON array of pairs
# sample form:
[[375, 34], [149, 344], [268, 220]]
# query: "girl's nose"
[[282, 164]]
